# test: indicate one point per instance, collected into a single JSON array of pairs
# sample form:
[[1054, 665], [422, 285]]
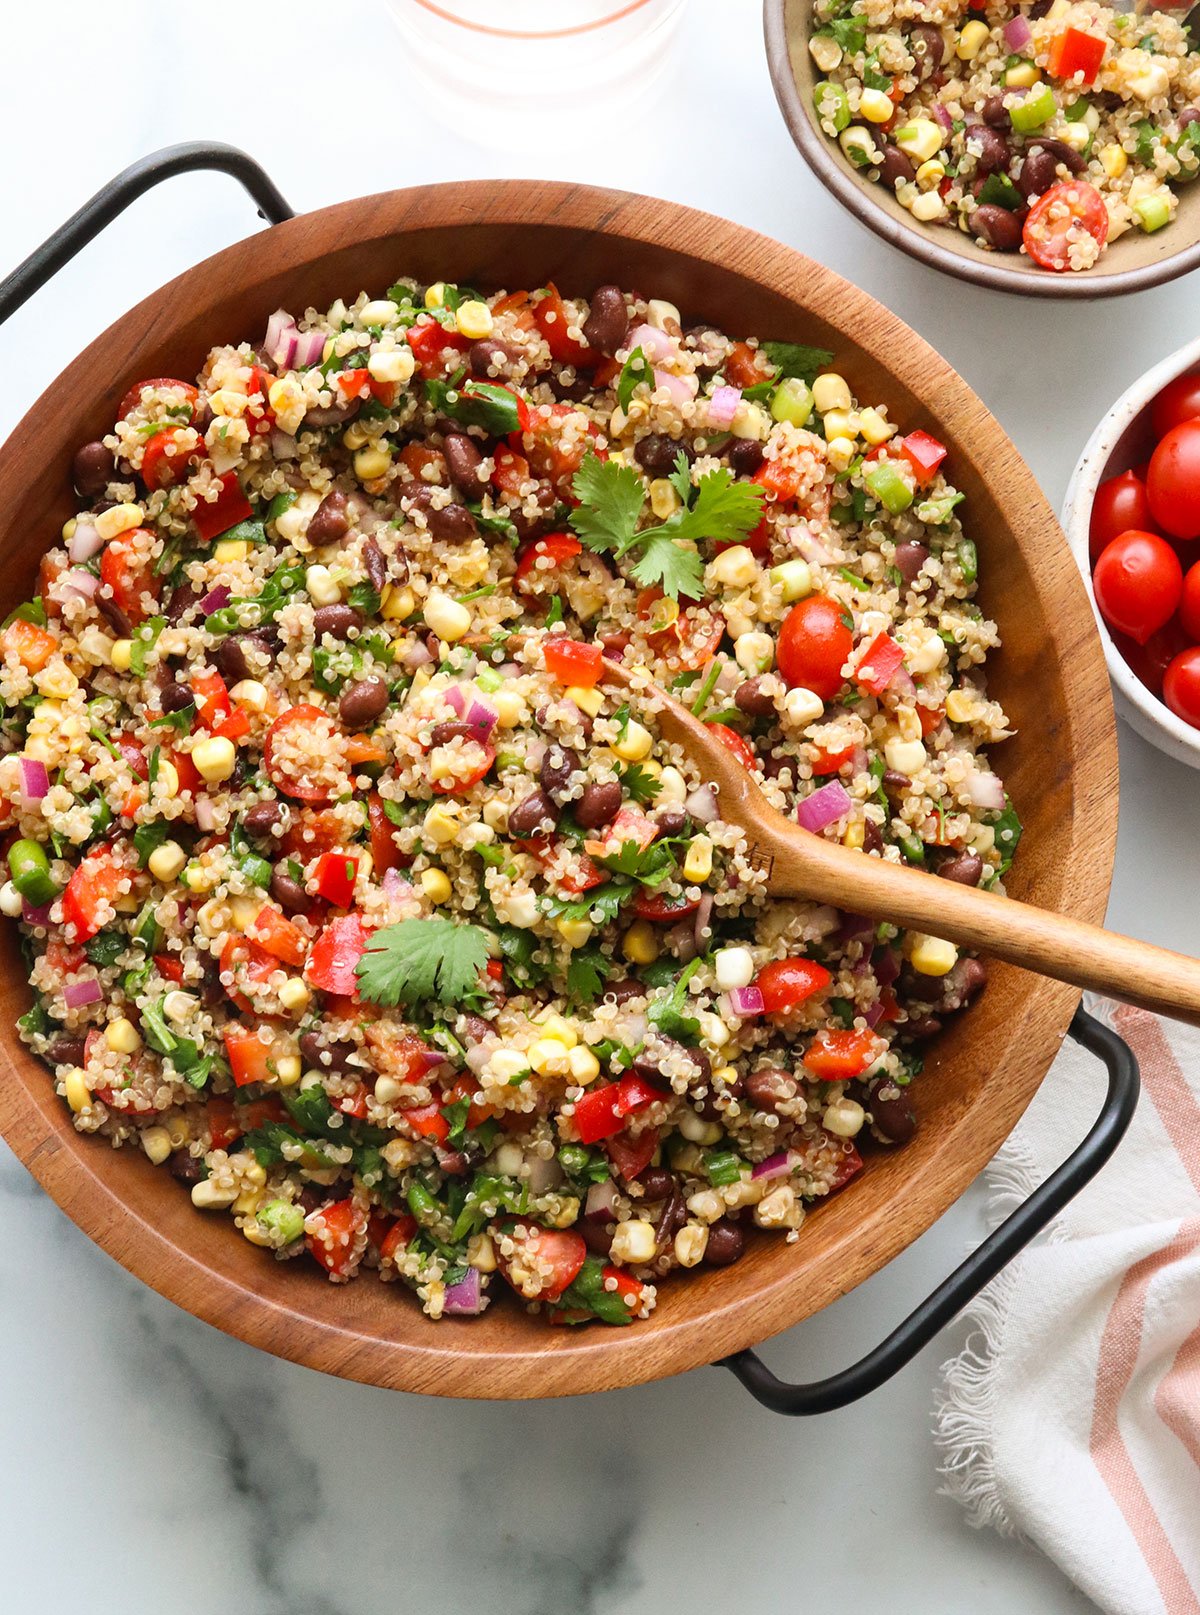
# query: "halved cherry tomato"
[[690, 640], [335, 1236], [1121, 504], [601, 1111], [746, 366], [213, 517], [385, 854], [786, 983], [473, 774], [1179, 401], [736, 745], [924, 454], [133, 397], [571, 662], [165, 457], [312, 832], [1138, 583], [850, 1165], [94, 884], [1181, 686], [430, 341], [127, 579], [580, 875], [335, 875], [283, 779], [279, 936], [465, 1087], [662, 910], [249, 1057], [557, 548], [334, 955], [1074, 51], [397, 1237], [629, 824], [930, 718], [510, 470], [837, 1055], [814, 642], [224, 1123], [552, 321], [779, 479], [557, 1253], [631, 1154], [1173, 484], [419, 458], [354, 383], [249, 965], [1058, 218], [830, 762], [549, 457], [32, 646], [413, 1058], [883, 660]]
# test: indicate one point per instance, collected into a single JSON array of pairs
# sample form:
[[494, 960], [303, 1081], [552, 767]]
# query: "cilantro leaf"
[[674, 568], [587, 973], [611, 498], [681, 478], [635, 370], [668, 1014], [723, 509], [587, 1292], [651, 865], [517, 949], [795, 359], [608, 898], [144, 640], [418, 961], [147, 838], [640, 784]]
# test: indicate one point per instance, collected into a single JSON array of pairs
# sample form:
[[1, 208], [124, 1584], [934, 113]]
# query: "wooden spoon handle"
[[1053, 945]]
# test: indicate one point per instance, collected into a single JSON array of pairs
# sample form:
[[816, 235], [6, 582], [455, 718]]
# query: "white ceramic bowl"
[[1123, 439]]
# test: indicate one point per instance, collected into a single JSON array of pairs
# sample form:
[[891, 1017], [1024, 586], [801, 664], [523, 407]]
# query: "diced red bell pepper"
[[429, 340], [578, 877], [249, 1056], [95, 883], [883, 660], [625, 1285], [840, 1055], [213, 705], [279, 936], [248, 965], [746, 366], [571, 662], [334, 955], [1074, 51], [929, 718], [126, 576], [557, 548], [353, 1103], [510, 470], [601, 1111], [211, 518], [395, 1239], [32, 646], [829, 762], [224, 1125], [552, 321], [335, 875], [169, 967], [924, 453], [336, 1238], [465, 1087], [631, 1154], [385, 854], [629, 824], [165, 458], [786, 983], [736, 745], [313, 831], [427, 1121], [663, 910], [778, 479], [354, 383]]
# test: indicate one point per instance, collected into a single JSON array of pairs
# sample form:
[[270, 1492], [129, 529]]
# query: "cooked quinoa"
[[1050, 129], [359, 897]]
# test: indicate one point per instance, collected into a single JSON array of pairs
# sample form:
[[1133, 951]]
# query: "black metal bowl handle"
[[113, 198], [996, 1251]]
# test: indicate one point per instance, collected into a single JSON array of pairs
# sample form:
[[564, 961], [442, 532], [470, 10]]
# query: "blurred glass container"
[[480, 59]]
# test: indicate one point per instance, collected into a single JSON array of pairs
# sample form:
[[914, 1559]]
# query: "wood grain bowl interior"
[[1131, 264], [1061, 770]]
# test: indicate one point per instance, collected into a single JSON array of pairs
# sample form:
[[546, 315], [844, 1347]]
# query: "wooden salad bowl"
[[1133, 263], [1061, 770]]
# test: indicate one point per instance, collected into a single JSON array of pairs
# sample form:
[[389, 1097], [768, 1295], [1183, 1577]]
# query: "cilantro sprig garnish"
[[423, 961], [612, 499]]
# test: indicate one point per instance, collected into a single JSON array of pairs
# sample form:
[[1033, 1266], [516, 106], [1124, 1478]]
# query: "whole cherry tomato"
[[1151, 660], [1181, 686], [814, 641], [1120, 503], [1179, 401], [1189, 605], [1174, 481], [1138, 583]]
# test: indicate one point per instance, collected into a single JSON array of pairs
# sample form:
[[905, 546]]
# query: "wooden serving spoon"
[[800, 864]]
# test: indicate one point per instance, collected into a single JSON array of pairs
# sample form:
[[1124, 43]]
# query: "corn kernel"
[[322, 587], [474, 319], [1114, 161], [156, 1142], [961, 706], [875, 106], [844, 1118], [587, 699], [288, 1070], [691, 1242], [121, 655], [250, 693], [927, 207], [699, 861], [548, 1057], [575, 933], [634, 1241], [68, 529], [971, 39], [930, 955], [446, 617], [355, 437], [208, 1195], [825, 51], [839, 452], [640, 944], [583, 1065], [213, 917], [440, 825], [392, 365], [794, 580], [435, 295], [1022, 77], [294, 994], [254, 1231], [905, 756], [754, 652], [79, 1095], [734, 568], [372, 463], [231, 549], [179, 1007], [56, 681], [855, 835], [380, 311], [706, 1204], [554, 1025], [397, 603], [874, 427], [215, 757], [118, 519], [248, 1201], [698, 1131], [481, 1253], [122, 1036], [664, 501], [11, 901], [751, 422], [435, 883], [635, 743], [931, 174], [167, 862], [96, 646], [840, 423], [734, 968], [831, 391]]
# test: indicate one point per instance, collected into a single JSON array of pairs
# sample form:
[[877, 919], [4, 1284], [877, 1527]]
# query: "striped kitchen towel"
[[1072, 1416]]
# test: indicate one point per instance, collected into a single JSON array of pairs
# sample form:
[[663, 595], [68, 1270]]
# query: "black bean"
[[597, 1236], [463, 460], [362, 702], [230, 658], [66, 1050], [320, 1055], [452, 523], [994, 154], [895, 167], [994, 113], [288, 892], [558, 765], [726, 1243], [701, 1071], [872, 839], [116, 618], [489, 358], [1039, 8], [330, 522], [770, 1088], [92, 469], [894, 780], [184, 1167], [892, 1118], [752, 699], [569, 386], [656, 453], [475, 1028], [1073, 161], [535, 813], [598, 805], [443, 733], [909, 558], [671, 821], [997, 226], [1189, 115], [262, 818], [338, 621], [656, 1182], [607, 321], [376, 565], [622, 991], [174, 697], [965, 868], [671, 1219], [182, 600], [972, 979], [927, 45], [452, 1162], [922, 1027], [1039, 172], [745, 455]]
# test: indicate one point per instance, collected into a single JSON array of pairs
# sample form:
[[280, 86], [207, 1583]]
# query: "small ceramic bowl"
[[1131, 264], [1125, 438]]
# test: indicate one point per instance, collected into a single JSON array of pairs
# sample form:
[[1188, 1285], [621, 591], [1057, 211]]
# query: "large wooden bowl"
[[1061, 769], [1131, 264]]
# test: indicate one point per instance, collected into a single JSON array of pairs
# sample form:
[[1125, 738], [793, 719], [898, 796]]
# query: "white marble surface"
[[151, 1464]]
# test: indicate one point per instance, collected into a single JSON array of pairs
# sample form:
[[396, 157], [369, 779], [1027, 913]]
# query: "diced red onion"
[[886, 966], [1017, 32], [464, 1299], [681, 388], [35, 914], [824, 807], [747, 1002], [873, 1015], [654, 344], [473, 710], [855, 928], [775, 1166], [283, 444], [75, 584], [84, 541], [722, 406], [79, 993], [543, 1175], [35, 781], [395, 885], [281, 339], [216, 599], [417, 655], [310, 349], [681, 939], [601, 1202], [809, 545], [943, 116], [700, 923], [986, 791], [902, 684], [205, 814], [702, 804]]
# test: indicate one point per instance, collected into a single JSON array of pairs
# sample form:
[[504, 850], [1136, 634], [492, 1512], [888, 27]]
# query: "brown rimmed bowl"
[[1132, 264], [1060, 769]]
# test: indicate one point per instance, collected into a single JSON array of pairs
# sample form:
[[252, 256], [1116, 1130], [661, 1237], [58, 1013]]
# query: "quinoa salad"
[[1051, 129], [355, 894]]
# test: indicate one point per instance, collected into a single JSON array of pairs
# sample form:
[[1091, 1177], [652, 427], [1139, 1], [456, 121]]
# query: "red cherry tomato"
[[1179, 401], [1120, 504], [1174, 481], [1189, 605], [814, 642], [125, 576], [571, 662], [786, 983], [1138, 582], [736, 745], [1181, 686], [279, 770], [1151, 660], [165, 458], [1059, 218], [133, 397]]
